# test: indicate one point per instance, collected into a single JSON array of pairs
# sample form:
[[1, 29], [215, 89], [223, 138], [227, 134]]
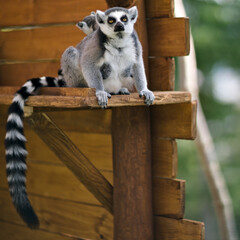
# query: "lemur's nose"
[[119, 27]]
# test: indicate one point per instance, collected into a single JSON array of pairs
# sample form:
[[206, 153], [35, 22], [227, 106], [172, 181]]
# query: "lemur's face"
[[117, 21]]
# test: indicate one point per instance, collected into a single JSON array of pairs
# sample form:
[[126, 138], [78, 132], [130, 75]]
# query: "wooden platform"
[[77, 98]]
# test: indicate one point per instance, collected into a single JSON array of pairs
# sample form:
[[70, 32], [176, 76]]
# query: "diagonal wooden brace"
[[72, 157]]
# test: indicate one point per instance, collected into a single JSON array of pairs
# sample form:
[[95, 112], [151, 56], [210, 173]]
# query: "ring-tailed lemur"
[[88, 24], [109, 59]]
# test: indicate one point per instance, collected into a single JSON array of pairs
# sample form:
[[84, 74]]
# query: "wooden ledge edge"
[[89, 100]]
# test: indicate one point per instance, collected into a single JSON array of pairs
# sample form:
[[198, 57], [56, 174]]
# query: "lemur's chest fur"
[[116, 65]]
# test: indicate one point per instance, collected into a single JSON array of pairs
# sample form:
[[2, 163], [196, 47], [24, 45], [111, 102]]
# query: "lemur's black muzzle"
[[119, 27]]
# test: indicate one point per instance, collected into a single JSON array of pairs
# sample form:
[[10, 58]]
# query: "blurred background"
[[215, 26]]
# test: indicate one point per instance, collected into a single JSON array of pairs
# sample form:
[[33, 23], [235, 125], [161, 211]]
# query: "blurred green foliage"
[[215, 26]]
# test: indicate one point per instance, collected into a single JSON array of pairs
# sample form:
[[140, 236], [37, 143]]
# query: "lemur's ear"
[[93, 13], [100, 16], [133, 12]]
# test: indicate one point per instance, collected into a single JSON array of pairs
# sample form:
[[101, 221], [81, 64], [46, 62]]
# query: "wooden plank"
[[166, 228], [58, 182], [16, 232], [72, 102], [174, 121], [63, 217], [168, 37], [17, 74], [160, 8], [132, 174], [169, 196], [162, 74], [164, 157], [44, 11], [120, 3], [55, 181], [73, 158], [40, 43]]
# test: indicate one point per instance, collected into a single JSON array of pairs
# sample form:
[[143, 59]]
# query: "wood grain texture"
[[169, 194], [63, 217], [174, 121], [168, 37], [72, 102], [166, 228], [44, 11], [159, 8], [12, 231], [121, 3], [17, 74], [164, 157], [58, 182], [39, 43], [70, 155], [132, 174], [161, 74]]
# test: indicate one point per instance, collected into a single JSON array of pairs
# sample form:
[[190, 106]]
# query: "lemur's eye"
[[111, 20], [124, 19]]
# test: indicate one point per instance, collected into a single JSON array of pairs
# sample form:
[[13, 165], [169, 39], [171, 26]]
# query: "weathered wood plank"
[[174, 121], [12, 231], [164, 157], [44, 11], [56, 181], [70, 155], [166, 228], [132, 174], [17, 74], [160, 8], [168, 37], [161, 74], [116, 101], [63, 217], [121, 3], [169, 196]]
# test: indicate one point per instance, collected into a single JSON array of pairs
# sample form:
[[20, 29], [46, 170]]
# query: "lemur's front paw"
[[149, 96], [102, 98], [124, 91]]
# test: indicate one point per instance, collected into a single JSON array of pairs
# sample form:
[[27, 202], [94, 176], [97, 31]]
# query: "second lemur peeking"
[[109, 59]]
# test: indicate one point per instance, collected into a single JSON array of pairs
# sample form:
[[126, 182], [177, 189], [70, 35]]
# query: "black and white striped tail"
[[15, 147]]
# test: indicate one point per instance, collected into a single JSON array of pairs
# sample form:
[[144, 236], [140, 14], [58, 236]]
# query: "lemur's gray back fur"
[[109, 59]]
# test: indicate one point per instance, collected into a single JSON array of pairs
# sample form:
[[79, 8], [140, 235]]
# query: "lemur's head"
[[88, 24], [117, 21]]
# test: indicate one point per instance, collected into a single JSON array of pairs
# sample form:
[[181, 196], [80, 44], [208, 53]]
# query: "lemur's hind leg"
[[71, 68]]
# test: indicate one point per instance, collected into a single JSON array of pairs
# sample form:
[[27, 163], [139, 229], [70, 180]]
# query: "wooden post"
[[133, 217]]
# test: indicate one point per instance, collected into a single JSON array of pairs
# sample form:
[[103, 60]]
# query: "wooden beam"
[[169, 197], [160, 8], [168, 37], [161, 74], [174, 121], [132, 174], [167, 228], [71, 156], [17, 73], [45, 12], [63, 217], [14, 232], [121, 3], [164, 157], [168, 194], [72, 102]]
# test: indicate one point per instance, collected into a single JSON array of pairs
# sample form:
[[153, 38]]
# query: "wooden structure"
[[125, 157]]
